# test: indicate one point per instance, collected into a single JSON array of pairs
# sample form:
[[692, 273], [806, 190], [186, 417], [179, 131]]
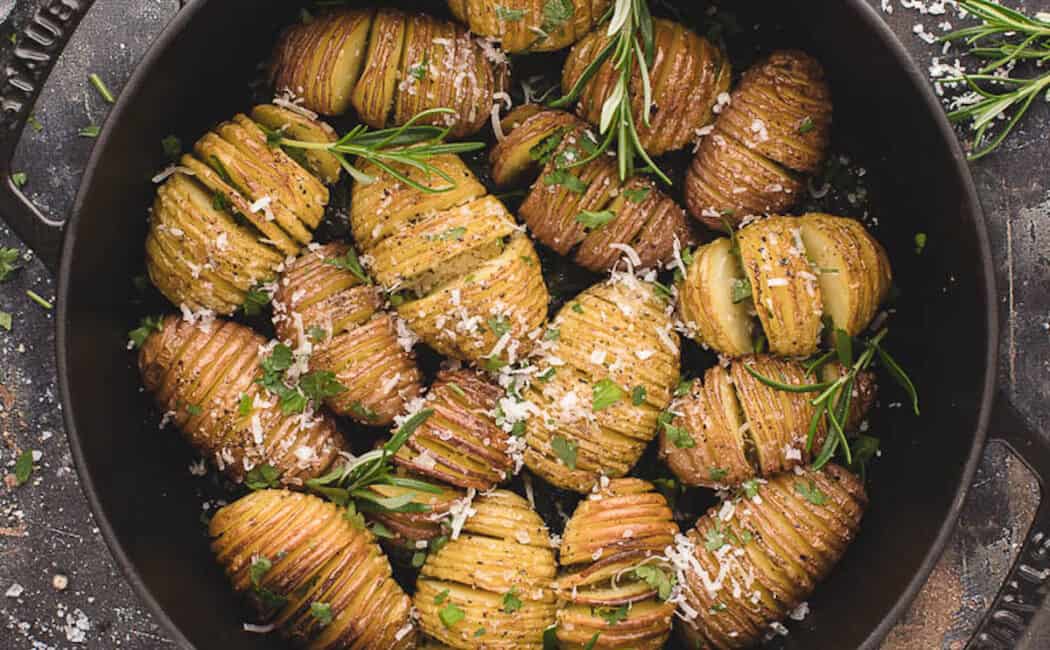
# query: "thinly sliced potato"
[[706, 300], [853, 268], [373, 94], [288, 552], [785, 290], [517, 158], [321, 164]]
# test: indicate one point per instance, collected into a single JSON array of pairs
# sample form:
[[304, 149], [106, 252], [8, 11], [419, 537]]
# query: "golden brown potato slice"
[[609, 374], [727, 182], [321, 60], [200, 375], [782, 110], [506, 294], [853, 268], [707, 442], [517, 158], [621, 528], [386, 207], [503, 549], [714, 300], [687, 76], [291, 553], [460, 443], [337, 315], [530, 25], [444, 66], [321, 164], [785, 290], [780, 544], [373, 95]]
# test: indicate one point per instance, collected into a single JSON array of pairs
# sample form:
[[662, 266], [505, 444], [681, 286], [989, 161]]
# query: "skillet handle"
[[39, 46], [1025, 589]]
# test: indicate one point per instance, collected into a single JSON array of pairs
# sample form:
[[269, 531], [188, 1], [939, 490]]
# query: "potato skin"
[[503, 548], [623, 525], [645, 219], [784, 288], [390, 65], [206, 247], [360, 343], [513, 159], [198, 374], [521, 25], [622, 320], [460, 444], [688, 74], [776, 126], [316, 555], [737, 428], [789, 543], [471, 284], [320, 163]]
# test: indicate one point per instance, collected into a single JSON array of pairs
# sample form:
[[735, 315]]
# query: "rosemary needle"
[[1004, 37], [630, 46], [409, 145]]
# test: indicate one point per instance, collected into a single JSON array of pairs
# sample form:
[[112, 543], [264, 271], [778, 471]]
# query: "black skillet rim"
[[872, 21]]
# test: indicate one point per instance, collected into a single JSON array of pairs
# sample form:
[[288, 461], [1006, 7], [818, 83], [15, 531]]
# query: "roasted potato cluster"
[[320, 302], [463, 276], [318, 575], [790, 272], [687, 76], [460, 444], [390, 65], [775, 127], [615, 580], [204, 377], [530, 25], [232, 211], [750, 562], [490, 586], [585, 210], [607, 368], [731, 427]]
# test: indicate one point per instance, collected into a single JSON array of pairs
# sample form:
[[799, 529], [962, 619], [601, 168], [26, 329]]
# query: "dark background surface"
[[46, 529]]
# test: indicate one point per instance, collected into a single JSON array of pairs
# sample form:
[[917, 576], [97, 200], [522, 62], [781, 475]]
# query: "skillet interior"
[[136, 477]]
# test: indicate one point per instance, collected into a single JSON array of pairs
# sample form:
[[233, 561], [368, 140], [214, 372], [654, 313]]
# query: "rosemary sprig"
[[350, 482], [630, 46], [410, 144], [834, 398], [990, 40]]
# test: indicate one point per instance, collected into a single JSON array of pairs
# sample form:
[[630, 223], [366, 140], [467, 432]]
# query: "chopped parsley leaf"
[[23, 467], [679, 437], [322, 613], [262, 477], [511, 602], [450, 615], [741, 290], [8, 262], [806, 126], [920, 242], [657, 578], [351, 263], [717, 473], [605, 393], [147, 326], [254, 301], [172, 147], [441, 596], [499, 325], [19, 178], [6, 320], [317, 334], [90, 131], [552, 334], [566, 179], [638, 395], [451, 234], [245, 405], [594, 220], [509, 15], [556, 13], [565, 450], [715, 538], [613, 615], [637, 195], [811, 492]]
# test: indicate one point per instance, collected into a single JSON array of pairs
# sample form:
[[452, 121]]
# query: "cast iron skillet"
[[946, 330]]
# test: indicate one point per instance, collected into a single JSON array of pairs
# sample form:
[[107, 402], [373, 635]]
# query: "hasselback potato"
[[732, 427], [752, 561], [775, 128], [530, 25], [204, 377], [465, 279], [232, 211], [319, 574], [490, 586], [585, 210], [389, 65], [790, 272], [615, 581], [688, 74], [460, 443], [321, 303], [414, 531], [606, 371]]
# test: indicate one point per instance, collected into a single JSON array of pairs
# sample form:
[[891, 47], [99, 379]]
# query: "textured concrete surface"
[[48, 539]]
